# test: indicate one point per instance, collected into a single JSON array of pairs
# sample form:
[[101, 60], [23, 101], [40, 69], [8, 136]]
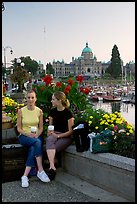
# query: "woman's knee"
[[51, 138], [63, 144], [38, 143], [50, 142]]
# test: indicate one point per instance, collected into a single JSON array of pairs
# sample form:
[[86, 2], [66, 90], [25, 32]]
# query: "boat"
[[96, 98], [127, 100], [111, 98]]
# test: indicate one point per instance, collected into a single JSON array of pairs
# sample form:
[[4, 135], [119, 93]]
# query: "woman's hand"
[[52, 133], [33, 135]]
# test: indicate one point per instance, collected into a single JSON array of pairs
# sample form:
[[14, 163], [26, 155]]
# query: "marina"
[[113, 98], [127, 110]]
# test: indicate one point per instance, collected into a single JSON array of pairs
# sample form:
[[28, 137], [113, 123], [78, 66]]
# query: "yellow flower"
[[131, 131]]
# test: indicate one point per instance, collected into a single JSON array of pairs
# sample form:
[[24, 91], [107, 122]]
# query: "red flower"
[[70, 81], [86, 90], [47, 79], [67, 89], [42, 88], [81, 89], [58, 84], [4, 88], [80, 78], [34, 89]]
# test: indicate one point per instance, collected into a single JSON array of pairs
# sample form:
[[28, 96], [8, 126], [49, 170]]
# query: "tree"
[[49, 69], [29, 64], [115, 69]]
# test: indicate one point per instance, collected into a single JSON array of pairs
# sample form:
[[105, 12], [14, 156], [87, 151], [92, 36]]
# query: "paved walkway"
[[65, 188]]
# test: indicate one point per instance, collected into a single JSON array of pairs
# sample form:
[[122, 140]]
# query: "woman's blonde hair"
[[31, 91], [59, 95]]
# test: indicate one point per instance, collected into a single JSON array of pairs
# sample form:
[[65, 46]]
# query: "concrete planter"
[[9, 136], [112, 172], [13, 162]]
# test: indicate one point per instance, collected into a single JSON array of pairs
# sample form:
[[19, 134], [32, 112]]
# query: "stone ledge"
[[106, 158], [111, 172]]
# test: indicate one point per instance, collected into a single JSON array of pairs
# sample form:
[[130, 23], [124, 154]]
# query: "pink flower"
[[115, 127]]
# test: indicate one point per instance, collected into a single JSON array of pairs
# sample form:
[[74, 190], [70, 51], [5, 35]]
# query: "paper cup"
[[33, 129], [51, 127]]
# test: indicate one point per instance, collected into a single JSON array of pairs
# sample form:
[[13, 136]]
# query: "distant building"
[[86, 64]]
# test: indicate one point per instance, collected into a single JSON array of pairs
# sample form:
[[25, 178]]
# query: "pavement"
[[65, 188]]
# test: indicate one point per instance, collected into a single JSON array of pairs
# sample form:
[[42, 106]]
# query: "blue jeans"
[[35, 148]]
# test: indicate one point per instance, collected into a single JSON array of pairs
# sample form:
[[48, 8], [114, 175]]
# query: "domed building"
[[86, 64]]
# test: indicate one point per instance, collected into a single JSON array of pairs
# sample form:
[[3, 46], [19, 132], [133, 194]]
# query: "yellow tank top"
[[30, 118]]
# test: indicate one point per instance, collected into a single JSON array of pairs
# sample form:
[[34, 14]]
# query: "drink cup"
[[51, 127], [33, 129]]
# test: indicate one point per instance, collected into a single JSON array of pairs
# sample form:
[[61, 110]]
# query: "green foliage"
[[29, 64], [49, 69], [124, 145]]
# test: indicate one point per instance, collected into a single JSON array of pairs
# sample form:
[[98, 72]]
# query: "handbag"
[[102, 142], [80, 135]]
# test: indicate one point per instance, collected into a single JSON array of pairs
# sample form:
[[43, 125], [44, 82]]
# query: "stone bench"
[[109, 171], [14, 158]]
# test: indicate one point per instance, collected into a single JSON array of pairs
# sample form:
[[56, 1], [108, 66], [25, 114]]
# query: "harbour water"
[[127, 110]]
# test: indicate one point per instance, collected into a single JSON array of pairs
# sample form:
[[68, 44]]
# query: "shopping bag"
[[102, 142]]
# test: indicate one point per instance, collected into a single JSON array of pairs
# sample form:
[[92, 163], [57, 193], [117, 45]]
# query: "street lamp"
[[19, 62], [4, 49], [22, 64]]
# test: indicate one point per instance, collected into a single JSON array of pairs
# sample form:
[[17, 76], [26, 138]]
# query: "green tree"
[[114, 69], [49, 69], [29, 64]]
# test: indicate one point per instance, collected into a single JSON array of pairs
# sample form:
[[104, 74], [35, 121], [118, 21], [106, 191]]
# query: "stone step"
[[110, 172], [96, 193]]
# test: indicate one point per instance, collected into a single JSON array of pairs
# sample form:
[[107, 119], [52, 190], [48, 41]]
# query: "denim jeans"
[[35, 148]]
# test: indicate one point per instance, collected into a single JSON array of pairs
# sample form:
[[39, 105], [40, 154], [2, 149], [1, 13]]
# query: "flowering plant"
[[75, 92], [74, 89], [113, 121], [11, 108], [123, 140]]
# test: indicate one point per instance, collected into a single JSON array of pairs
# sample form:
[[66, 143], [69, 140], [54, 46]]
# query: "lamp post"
[[125, 75], [4, 49], [19, 76], [19, 69], [122, 70], [3, 7]]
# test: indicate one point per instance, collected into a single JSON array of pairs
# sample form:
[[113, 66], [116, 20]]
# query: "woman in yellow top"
[[30, 127]]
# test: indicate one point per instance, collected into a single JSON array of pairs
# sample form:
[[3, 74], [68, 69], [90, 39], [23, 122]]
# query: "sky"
[[48, 31]]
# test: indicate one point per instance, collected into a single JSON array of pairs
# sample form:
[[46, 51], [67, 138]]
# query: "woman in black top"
[[63, 120]]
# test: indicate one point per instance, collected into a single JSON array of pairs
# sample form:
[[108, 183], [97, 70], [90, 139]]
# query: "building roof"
[[87, 49]]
